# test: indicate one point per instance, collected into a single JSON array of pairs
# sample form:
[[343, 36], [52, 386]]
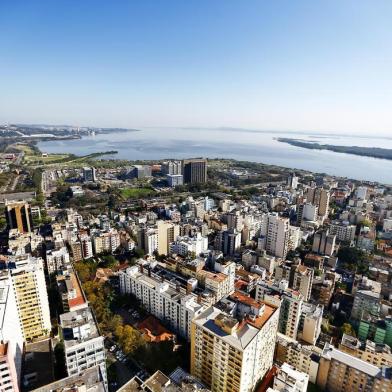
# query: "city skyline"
[[303, 66]]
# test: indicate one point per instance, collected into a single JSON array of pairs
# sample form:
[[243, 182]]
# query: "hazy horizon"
[[309, 132], [307, 66]]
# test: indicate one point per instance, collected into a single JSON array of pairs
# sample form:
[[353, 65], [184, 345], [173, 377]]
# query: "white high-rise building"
[[10, 327], [303, 280], [275, 232], [83, 345], [150, 241], [292, 181], [172, 168], [307, 212], [295, 237], [56, 259], [289, 301], [361, 192], [161, 299], [185, 245], [343, 231]]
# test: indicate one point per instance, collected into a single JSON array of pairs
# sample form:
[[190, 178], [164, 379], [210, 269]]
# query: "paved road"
[[14, 183], [124, 370]]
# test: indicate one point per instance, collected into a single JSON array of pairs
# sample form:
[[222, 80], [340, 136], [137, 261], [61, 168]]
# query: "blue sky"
[[309, 65]]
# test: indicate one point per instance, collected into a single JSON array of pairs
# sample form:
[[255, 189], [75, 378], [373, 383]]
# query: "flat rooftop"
[[76, 319], [241, 335], [90, 381], [331, 352]]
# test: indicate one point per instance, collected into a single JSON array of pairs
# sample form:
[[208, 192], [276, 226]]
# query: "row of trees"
[[102, 299]]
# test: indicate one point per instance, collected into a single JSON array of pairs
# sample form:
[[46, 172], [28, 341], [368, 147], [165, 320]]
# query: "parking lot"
[[124, 366]]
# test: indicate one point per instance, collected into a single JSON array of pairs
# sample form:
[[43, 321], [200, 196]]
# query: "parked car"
[[113, 348]]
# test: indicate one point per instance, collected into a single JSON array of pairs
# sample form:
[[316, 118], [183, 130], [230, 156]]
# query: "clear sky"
[[276, 64]]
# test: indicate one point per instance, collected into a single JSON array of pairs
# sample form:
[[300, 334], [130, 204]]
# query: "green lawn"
[[135, 193], [39, 159]]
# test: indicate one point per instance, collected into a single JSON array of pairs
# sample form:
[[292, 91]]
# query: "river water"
[[257, 146]]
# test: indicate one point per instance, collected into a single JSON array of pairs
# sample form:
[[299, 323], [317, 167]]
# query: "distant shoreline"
[[372, 152]]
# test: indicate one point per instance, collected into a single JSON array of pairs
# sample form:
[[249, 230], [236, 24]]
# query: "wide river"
[[257, 146]]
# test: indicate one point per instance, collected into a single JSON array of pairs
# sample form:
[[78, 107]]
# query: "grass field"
[[28, 150], [135, 193], [38, 159], [34, 157]]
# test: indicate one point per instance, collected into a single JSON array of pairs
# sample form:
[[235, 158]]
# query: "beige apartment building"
[[376, 354], [341, 372], [28, 279], [167, 233], [232, 354]]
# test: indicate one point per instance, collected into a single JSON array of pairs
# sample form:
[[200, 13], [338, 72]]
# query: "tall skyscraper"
[[275, 231], [18, 215], [194, 170]]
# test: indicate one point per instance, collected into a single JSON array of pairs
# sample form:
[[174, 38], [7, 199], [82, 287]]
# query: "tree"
[[367, 223], [347, 329], [84, 271], [3, 223], [109, 261], [115, 322], [139, 253], [350, 255], [129, 338]]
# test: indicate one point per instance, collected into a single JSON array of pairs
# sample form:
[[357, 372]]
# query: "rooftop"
[[68, 283], [159, 382], [331, 352], [90, 381], [237, 333], [83, 326]]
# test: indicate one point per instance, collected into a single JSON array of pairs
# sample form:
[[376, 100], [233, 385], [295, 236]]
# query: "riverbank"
[[372, 152]]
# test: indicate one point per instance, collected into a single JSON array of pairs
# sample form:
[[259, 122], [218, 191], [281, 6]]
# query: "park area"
[[136, 193]]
